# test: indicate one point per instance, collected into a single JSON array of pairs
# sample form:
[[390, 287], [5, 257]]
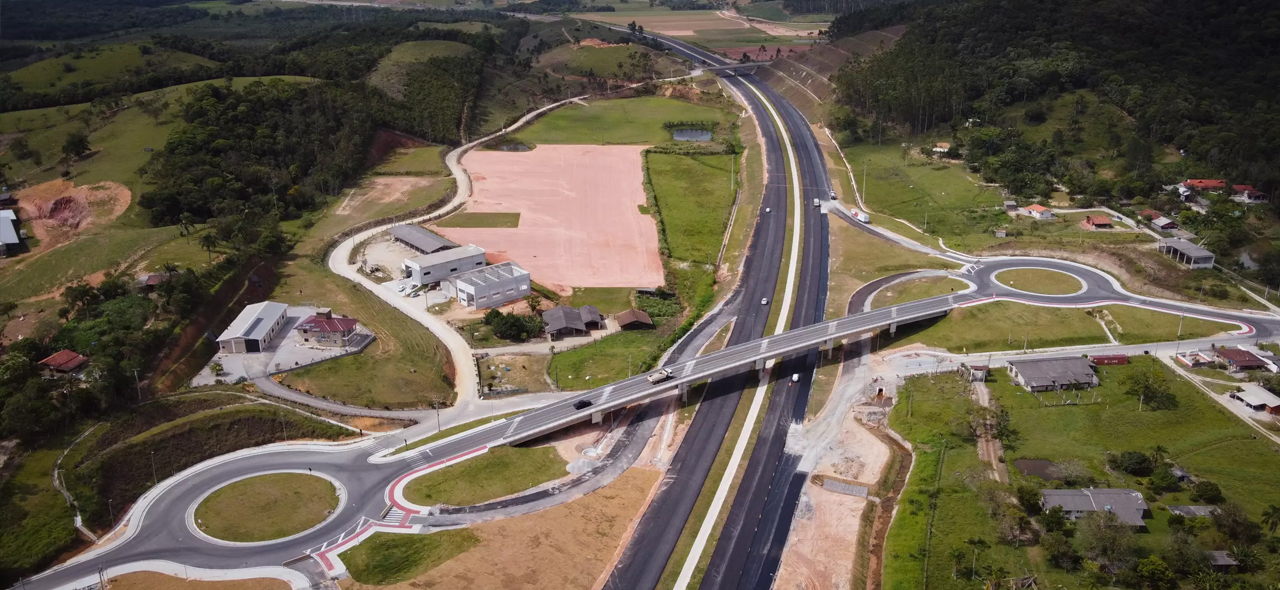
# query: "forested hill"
[[1201, 76]]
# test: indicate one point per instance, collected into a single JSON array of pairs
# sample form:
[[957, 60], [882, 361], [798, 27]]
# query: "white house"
[[1039, 212], [434, 268], [490, 286], [254, 329], [9, 233]]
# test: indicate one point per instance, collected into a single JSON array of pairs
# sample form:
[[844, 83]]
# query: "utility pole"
[[137, 384], [154, 479], [1181, 317], [436, 406]]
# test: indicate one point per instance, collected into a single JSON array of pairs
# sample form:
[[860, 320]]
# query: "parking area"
[[285, 353]]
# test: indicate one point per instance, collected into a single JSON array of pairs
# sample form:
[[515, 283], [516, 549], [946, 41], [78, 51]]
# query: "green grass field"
[[609, 359], [500, 472], [1001, 325], [412, 365], [916, 289], [266, 507], [694, 195], [422, 161], [1039, 280], [618, 121], [35, 521], [391, 70], [858, 258], [330, 223], [606, 299], [387, 558], [102, 64], [1138, 326], [466, 219]]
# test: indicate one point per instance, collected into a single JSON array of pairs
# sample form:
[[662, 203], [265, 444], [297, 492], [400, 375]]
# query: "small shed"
[[1221, 561], [63, 362], [1257, 399], [1011, 206], [1185, 252], [1110, 359], [634, 319]]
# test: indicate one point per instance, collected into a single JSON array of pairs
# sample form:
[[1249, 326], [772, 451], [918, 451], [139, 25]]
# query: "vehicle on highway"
[[660, 376], [816, 202], [764, 301], [860, 216], [795, 377], [582, 404], [768, 209], [833, 195]]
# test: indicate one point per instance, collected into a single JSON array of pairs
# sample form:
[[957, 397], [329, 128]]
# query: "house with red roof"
[[1039, 212], [63, 363], [326, 329], [1202, 184], [1095, 222], [1245, 193]]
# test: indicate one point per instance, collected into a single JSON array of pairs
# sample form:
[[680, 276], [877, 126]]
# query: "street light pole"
[[154, 479], [137, 384]]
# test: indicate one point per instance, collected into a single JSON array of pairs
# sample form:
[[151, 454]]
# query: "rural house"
[[63, 363], [1039, 212], [1095, 222], [565, 321], [941, 147], [634, 319], [254, 328], [1126, 504], [1164, 223], [1239, 359], [1245, 193], [1201, 184], [1072, 372], [324, 329]]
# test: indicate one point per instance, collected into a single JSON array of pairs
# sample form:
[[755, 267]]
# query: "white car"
[[833, 195], [764, 301], [795, 377], [415, 294], [768, 210], [401, 289]]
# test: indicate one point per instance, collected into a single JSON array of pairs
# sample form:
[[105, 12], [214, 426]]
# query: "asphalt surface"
[[162, 531]]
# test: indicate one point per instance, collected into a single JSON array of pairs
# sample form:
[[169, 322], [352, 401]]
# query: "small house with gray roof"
[[564, 320], [1072, 372], [1126, 504]]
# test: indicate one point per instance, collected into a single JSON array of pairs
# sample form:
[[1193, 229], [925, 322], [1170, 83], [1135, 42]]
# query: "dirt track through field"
[[580, 222]]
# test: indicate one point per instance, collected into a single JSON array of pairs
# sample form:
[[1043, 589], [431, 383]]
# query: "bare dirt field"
[[682, 23], [58, 210], [820, 552], [154, 581], [566, 547], [580, 222], [381, 189]]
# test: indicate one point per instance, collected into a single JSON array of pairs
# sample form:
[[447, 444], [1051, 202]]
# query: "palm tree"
[[957, 557], [978, 544], [208, 241], [170, 268], [186, 222], [1159, 454], [1271, 518]]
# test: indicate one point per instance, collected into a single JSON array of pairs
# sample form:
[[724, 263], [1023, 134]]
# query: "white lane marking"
[[740, 447]]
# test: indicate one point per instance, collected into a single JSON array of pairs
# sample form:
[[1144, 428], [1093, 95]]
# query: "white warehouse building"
[[490, 286], [254, 329], [434, 268]]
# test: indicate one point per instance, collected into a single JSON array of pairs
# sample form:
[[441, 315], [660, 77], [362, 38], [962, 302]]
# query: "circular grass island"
[[1040, 281], [266, 507]]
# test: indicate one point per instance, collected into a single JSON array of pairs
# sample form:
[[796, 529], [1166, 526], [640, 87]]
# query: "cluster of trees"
[[960, 62], [510, 326], [73, 19], [838, 6], [553, 6]]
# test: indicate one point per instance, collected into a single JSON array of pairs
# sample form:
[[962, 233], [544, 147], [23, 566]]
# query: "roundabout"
[[1041, 281], [266, 508]]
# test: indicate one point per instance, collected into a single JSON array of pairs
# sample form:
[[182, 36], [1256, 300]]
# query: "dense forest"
[[1198, 76], [835, 6]]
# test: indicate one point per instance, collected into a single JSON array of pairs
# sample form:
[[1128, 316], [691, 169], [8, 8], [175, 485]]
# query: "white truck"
[[860, 216], [659, 376]]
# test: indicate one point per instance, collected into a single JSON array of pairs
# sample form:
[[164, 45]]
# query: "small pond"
[[691, 134], [1041, 468]]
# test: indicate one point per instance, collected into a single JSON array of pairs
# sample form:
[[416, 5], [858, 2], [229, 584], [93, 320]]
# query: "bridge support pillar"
[[760, 365], [893, 328], [828, 346], [684, 392], [596, 417]]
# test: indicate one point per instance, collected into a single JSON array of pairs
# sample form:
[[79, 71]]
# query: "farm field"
[[694, 195], [774, 11], [626, 121], [102, 64]]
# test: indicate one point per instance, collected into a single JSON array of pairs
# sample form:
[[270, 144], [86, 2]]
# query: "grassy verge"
[[609, 359], [1001, 325], [606, 299], [695, 196], [465, 219], [35, 521], [266, 507], [1038, 280], [500, 472], [422, 161], [915, 290], [1134, 325], [452, 430], [386, 558], [858, 258]]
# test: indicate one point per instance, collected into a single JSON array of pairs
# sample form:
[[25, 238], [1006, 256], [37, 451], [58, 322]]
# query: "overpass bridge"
[[734, 69]]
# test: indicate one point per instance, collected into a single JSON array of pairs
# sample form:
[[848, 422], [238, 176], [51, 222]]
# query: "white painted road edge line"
[[740, 447]]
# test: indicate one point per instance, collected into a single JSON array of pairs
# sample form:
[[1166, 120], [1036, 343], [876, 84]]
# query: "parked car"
[[401, 289], [582, 404]]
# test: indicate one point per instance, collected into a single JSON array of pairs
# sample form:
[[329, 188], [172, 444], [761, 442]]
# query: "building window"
[[453, 270], [524, 287], [426, 273], [481, 263]]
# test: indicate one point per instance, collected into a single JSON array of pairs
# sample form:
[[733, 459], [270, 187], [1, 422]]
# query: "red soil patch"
[[386, 141], [58, 210], [596, 43], [580, 222]]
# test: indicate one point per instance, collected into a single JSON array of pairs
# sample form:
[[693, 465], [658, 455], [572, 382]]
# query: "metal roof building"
[[1186, 253], [420, 239], [1126, 504], [1257, 398], [8, 231], [490, 286], [1055, 373], [254, 328], [438, 266], [564, 320]]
